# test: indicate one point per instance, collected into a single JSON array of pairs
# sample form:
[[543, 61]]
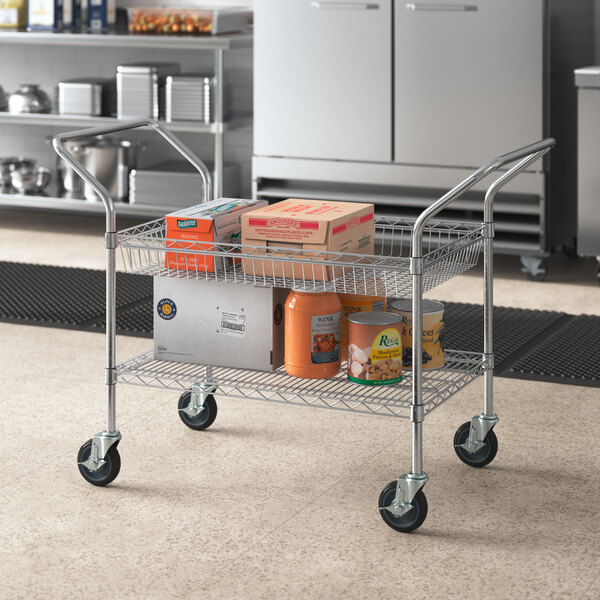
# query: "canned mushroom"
[[374, 348]]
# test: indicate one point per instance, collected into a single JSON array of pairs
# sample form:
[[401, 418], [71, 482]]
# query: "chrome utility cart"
[[412, 257]]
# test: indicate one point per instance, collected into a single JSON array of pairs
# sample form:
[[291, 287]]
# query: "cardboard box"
[[220, 324], [308, 225], [216, 221]]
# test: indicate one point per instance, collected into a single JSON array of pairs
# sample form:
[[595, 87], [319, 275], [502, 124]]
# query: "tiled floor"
[[278, 501]]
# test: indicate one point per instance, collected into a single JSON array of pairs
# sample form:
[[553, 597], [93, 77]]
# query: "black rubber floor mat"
[[514, 328], [571, 354], [135, 320], [62, 297]]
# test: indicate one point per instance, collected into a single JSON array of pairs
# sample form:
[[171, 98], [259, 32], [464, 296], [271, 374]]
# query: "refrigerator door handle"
[[441, 7], [344, 6]]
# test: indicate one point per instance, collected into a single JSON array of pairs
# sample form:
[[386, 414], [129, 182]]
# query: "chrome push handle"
[[526, 156], [420, 6], [344, 6], [109, 205]]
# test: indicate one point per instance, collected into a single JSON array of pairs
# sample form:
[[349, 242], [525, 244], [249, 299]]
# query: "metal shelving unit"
[[218, 45], [54, 120], [411, 257], [128, 40]]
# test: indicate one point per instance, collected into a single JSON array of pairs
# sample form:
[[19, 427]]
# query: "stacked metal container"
[[140, 89], [190, 97], [89, 96], [174, 183]]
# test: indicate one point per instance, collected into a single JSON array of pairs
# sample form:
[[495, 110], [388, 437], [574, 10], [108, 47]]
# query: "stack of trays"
[[177, 184], [140, 89], [190, 97], [85, 96]]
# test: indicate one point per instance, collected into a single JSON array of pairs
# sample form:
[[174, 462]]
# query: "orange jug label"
[[325, 333]]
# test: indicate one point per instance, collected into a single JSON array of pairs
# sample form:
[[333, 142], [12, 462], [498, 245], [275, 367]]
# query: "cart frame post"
[[409, 484], [219, 123], [111, 435]]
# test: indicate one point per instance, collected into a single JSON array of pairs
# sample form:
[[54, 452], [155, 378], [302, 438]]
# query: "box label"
[[233, 324], [166, 309], [187, 223]]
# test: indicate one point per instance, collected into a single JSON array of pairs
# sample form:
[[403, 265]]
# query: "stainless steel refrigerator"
[[398, 101]]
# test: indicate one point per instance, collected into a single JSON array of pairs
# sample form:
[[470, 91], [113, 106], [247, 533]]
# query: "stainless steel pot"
[[70, 185], [110, 161]]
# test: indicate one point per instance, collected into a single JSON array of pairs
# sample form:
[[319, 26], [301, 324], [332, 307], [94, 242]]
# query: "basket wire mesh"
[[449, 249]]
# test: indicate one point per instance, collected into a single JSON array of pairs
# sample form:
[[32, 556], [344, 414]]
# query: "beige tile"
[[331, 552], [38, 352], [593, 592], [151, 539], [261, 447], [54, 239]]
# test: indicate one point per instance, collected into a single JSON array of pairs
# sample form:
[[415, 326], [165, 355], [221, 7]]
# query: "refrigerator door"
[[469, 79], [588, 207], [322, 85]]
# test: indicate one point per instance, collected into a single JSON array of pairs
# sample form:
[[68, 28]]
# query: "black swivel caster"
[[204, 419], [107, 473], [409, 521], [482, 457]]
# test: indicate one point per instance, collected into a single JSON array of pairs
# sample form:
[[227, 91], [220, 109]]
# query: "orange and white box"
[[216, 222], [314, 226]]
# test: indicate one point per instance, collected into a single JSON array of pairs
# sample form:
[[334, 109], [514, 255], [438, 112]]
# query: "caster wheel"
[[202, 421], [412, 519], [534, 268], [537, 276], [483, 456], [107, 472]]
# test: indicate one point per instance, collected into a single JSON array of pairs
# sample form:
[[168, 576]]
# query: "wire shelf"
[[336, 393], [449, 249]]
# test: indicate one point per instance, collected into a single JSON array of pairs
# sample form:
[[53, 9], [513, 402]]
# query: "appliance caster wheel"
[[534, 267], [199, 416], [475, 454], [100, 472]]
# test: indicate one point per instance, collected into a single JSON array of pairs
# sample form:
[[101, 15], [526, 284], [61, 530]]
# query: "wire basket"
[[449, 249]]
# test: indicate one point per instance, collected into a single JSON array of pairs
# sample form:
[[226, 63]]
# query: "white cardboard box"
[[219, 324]]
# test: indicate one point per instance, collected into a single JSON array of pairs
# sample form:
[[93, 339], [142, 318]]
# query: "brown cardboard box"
[[308, 225]]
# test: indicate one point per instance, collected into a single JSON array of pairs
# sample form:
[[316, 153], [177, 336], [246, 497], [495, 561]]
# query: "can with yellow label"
[[433, 332], [374, 348]]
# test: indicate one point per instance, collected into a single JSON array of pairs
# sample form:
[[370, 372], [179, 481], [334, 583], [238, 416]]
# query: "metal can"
[[374, 348], [433, 332], [354, 303]]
